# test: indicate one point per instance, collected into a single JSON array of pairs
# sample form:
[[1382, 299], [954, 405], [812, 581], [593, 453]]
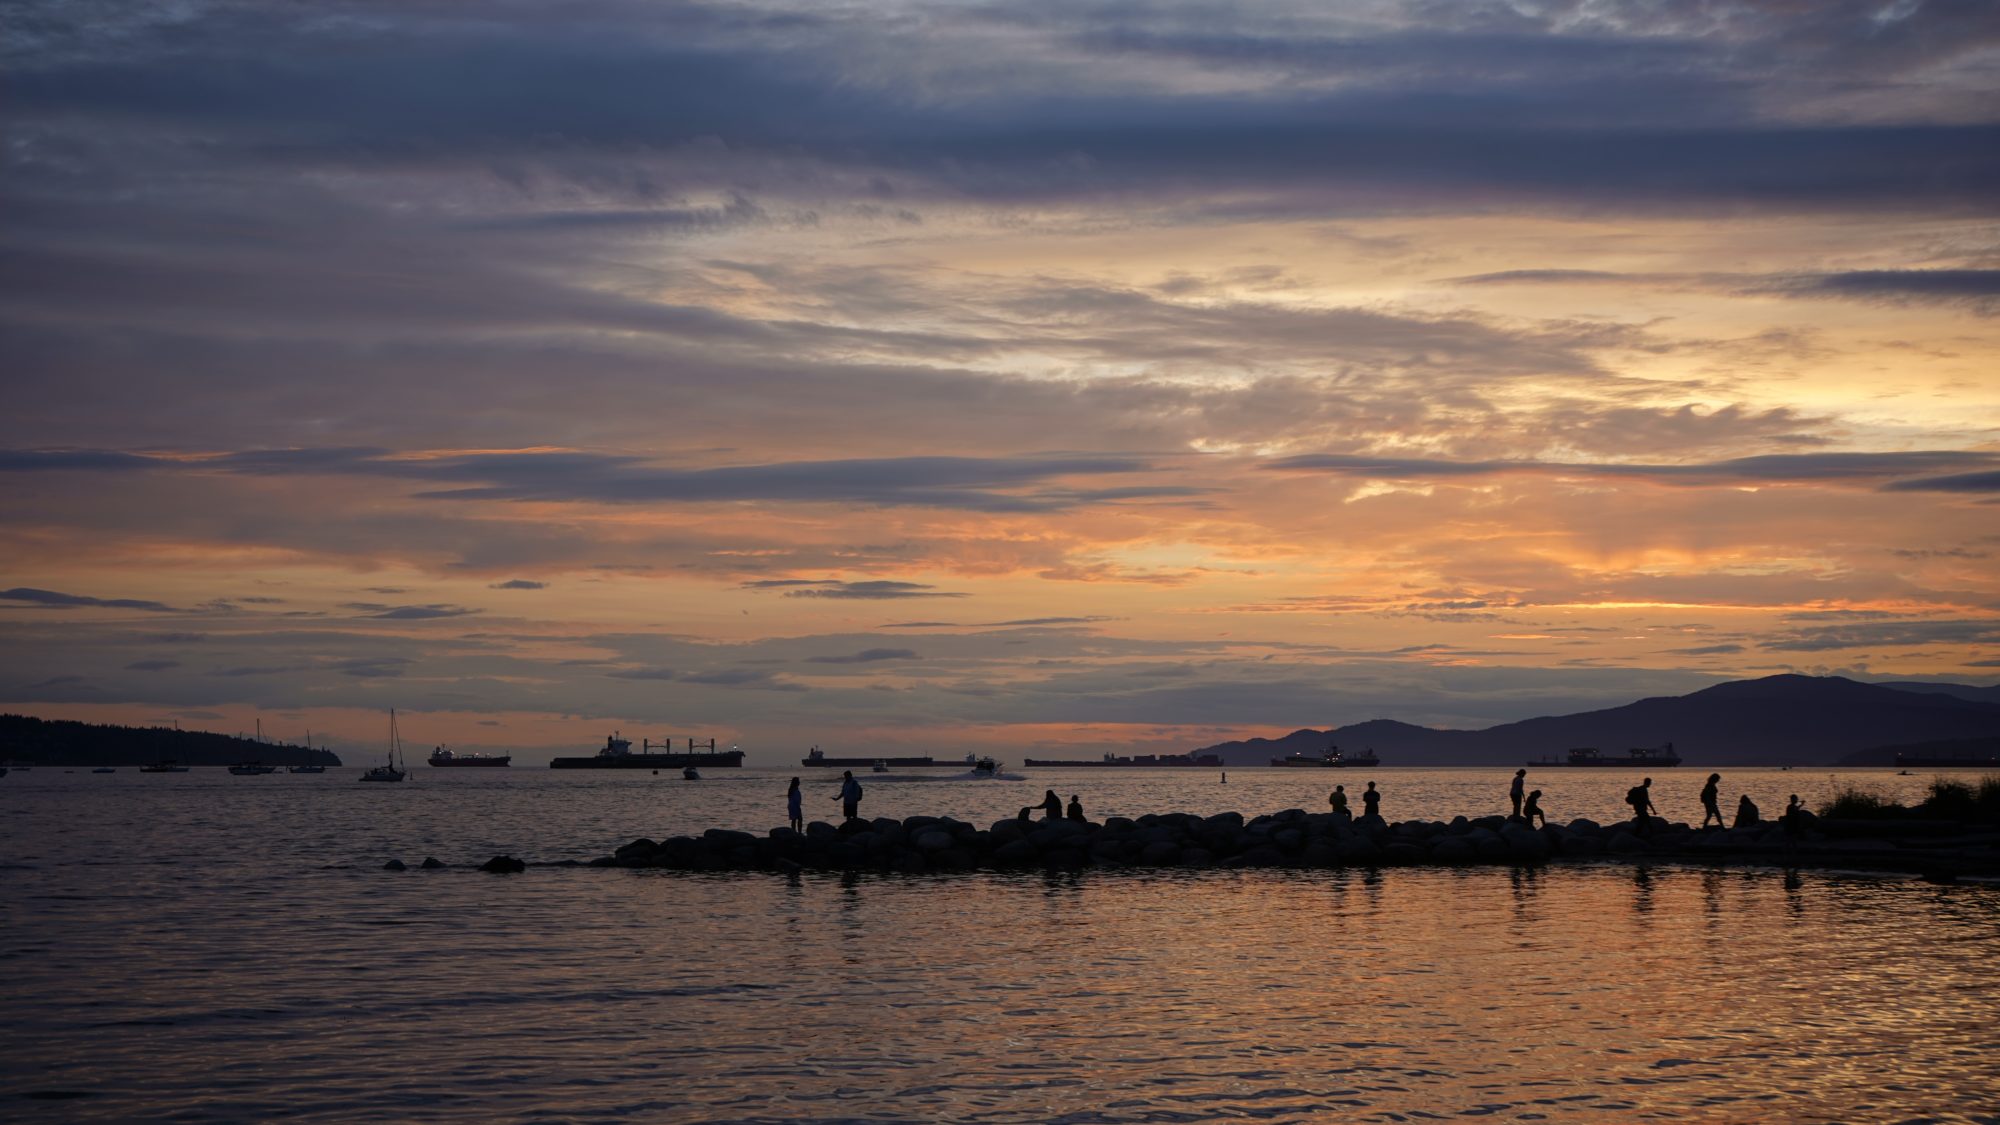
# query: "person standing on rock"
[[1051, 805], [849, 795], [1371, 802], [1640, 797], [1515, 790], [1338, 801], [795, 806], [1709, 799], [1532, 810]]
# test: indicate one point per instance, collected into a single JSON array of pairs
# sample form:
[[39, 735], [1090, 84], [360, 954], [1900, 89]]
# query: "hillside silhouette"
[[60, 742], [1776, 720]]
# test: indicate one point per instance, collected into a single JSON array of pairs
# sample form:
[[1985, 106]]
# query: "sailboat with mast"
[[390, 772], [310, 766]]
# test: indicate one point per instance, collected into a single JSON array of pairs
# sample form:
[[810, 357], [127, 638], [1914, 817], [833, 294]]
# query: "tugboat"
[[1331, 759], [982, 766], [444, 757], [389, 772], [689, 773]]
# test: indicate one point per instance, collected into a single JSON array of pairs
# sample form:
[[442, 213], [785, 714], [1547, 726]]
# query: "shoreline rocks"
[[1294, 838]]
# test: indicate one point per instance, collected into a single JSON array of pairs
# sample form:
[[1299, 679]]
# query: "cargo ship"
[[1662, 755], [617, 755], [444, 757], [1332, 759], [1142, 761], [818, 757]]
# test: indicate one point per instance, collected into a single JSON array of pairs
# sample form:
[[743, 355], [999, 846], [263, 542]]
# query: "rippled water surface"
[[211, 948]]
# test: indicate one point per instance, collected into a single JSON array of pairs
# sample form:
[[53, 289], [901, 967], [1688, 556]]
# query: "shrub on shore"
[[1851, 802], [1961, 800]]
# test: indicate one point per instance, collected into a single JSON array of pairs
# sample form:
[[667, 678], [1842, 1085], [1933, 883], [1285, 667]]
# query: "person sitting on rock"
[[1051, 805], [1794, 818], [1027, 813], [1338, 801], [1531, 810], [1640, 797], [1709, 808], [1076, 808], [1746, 812], [1371, 802], [1514, 791]]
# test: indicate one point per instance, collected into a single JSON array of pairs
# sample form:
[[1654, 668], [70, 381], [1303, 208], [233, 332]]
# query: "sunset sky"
[[1044, 377]]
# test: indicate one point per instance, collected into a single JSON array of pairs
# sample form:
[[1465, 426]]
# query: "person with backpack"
[[1640, 797], [849, 795], [1709, 801]]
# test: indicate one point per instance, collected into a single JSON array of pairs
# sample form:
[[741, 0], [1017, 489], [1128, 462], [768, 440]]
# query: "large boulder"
[[395, 865], [1160, 853], [1454, 849], [934, 840], [641, 848], [1016, 853], [503, 865], [431, 863], [1524, 844]]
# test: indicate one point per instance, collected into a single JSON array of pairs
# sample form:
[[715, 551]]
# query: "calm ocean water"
[[201, 947]]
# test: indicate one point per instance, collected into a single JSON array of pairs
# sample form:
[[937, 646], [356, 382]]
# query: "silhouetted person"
[[1371, 802], [1337, 800], [795, 806], [1640, 797], [1746, 811], [1225, 777], [1075, 808], [1515, 790], [1532, 810], [1027, 814], [1709, 807], [1051, 805], [849, 795], [1794, 816]]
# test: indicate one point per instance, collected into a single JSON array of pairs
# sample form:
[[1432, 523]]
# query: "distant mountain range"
[[59, 742], [1777, 720]]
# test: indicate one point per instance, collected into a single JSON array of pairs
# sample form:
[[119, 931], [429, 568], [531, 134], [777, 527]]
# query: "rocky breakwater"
[[1297, 839]]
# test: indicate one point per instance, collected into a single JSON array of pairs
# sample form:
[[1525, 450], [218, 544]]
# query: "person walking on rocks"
[[1371, 802], [795, 806], [1051, 805], [849, 795], [1337, 800], [1515, 790], [1709, 799], [1532, 810], [1640, 797]]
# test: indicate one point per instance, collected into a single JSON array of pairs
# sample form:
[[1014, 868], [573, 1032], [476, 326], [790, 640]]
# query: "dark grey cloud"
[[1976, 289], [1707, 650], [752, 678], [519, 584], [1880, 634], [642, 674], [1858, 469], [152, 665], [56, 600], [988, 484], [379, 612], [866, 656], [868, 590], [1955, 482]]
